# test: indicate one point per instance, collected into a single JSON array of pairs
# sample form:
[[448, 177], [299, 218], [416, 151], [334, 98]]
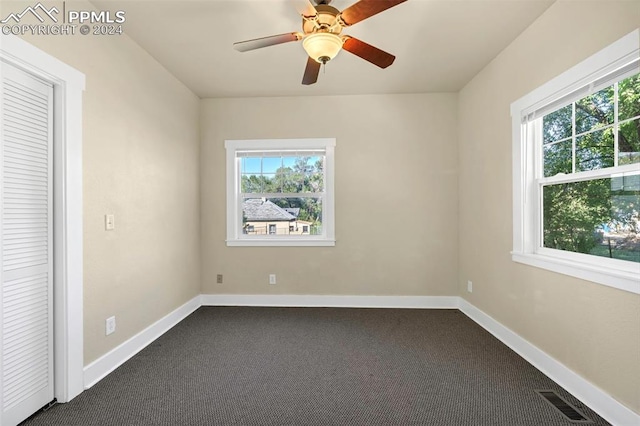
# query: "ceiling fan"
[[321, 37]]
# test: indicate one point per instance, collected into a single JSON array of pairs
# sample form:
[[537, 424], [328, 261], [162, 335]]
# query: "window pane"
[[254, 183], [557, 125], [314, 183], [288, 180], [282, 216], [288, 162], [308, 175], [599, 217], [251, 165], [270, 182], [291, 174], [595, 111], [629, 142], [271, 164], [315, 175], [557, 158], [595, 150], [629, 97]]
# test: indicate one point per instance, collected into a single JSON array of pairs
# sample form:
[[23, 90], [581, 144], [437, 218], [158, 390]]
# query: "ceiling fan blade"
[[311, 72], [365, 9], [368, 52], [258, 43], [305, 8]]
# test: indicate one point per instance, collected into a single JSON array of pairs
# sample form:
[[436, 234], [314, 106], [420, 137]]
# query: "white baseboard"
[[592, 396], [331, 301], [104, 365]]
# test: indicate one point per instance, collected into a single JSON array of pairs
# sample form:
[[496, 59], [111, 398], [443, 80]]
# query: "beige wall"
[[396, 203], [592, 329], [140, 160], [397, 162]]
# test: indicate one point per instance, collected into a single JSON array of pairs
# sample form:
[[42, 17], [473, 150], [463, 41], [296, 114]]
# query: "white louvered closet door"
[[26, 296]]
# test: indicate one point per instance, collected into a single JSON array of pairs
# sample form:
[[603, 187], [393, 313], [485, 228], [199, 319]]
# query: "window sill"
[[281, 242], [622, 280]]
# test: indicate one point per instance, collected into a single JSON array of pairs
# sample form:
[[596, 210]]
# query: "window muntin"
[[586, 134], [277, 172], [279, 192]]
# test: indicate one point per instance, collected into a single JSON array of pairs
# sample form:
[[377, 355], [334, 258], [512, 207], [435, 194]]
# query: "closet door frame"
[[68, 87]]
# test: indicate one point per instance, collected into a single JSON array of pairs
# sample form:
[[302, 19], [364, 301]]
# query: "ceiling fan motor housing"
[[325, 21]]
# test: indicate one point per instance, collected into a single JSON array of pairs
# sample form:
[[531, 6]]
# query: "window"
[[576, 146], [275, 188]]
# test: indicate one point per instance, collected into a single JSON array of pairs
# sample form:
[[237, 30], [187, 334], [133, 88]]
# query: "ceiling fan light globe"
[[320, 46]]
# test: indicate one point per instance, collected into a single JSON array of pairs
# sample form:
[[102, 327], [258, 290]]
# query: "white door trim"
[[68, 85]]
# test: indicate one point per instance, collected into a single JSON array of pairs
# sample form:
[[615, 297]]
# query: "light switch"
[[109, 222]]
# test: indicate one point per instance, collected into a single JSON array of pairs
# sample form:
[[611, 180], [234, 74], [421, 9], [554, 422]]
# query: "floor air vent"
[[568, 410]]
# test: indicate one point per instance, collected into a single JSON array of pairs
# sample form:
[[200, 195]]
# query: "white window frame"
[[527, 169], [235, 237]]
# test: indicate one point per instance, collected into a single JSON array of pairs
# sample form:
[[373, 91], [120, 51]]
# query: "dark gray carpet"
[[319, 366]]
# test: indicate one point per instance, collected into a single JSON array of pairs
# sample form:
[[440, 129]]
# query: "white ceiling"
[[439, 44]]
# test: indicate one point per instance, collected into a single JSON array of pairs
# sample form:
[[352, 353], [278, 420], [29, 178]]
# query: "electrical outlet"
[[219, 279], [110, 325], [469, 286], [272, 278], [109, 222]]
